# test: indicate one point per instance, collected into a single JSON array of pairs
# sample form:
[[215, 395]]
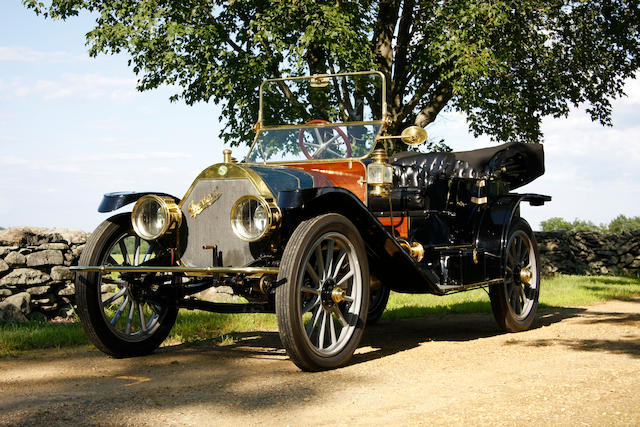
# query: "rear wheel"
[[515, 302], [378, 298], [322, 306], [114, 312]]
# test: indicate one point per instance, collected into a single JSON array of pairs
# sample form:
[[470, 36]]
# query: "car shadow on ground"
[[393, 336], [386, 337]]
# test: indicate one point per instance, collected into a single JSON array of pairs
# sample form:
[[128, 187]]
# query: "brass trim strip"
[[321, 125], [463, 288], [316, 76], [437, 248], [205, 271], [232, 171]]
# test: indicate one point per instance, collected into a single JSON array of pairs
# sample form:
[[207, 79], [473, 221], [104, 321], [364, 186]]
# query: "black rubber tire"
[[88, 297], [504, 313], [378, 299], [289, 298]]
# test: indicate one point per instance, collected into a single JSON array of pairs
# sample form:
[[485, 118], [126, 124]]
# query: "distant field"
[[195, 326]]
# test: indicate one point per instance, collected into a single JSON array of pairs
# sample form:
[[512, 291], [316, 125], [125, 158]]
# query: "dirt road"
[[578, 366]]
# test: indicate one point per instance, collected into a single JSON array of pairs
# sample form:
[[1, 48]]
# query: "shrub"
[[618, 225]]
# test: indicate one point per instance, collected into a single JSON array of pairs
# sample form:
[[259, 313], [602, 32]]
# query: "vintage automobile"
[[318, 223]]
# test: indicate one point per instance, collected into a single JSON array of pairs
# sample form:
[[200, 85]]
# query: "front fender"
[[114, 201], [388, 261]]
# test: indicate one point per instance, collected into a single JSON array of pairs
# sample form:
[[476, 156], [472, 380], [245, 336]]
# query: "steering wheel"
[[323, 141]]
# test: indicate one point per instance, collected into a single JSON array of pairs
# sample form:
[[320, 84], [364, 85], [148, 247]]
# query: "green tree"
[[621, 224], [618, 225], [559, 224], [555, 224], [585, 225], [505, 63]]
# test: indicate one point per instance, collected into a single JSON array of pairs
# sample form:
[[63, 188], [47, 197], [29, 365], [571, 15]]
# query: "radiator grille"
[[212, 226]]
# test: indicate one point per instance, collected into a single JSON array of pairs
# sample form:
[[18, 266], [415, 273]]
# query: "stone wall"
[[587, 252], [35, 281]]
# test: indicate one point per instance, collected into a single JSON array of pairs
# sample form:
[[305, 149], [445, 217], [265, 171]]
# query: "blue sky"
[[73, 128]]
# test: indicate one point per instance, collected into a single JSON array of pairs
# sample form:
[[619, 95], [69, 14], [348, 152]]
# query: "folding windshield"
[[319, 117]]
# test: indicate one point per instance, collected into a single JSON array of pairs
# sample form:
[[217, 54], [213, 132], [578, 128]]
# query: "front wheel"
[[322, 306], [112, 308], [515, 301]]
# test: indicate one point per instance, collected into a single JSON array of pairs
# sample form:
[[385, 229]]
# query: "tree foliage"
[[622, 224], [560, 224], [618, 225], [505, 63]]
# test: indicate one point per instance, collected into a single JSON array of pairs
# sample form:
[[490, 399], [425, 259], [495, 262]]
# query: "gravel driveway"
[[578, 366]]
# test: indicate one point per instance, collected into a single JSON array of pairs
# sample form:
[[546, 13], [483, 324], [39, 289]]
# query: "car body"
[[318, 223]]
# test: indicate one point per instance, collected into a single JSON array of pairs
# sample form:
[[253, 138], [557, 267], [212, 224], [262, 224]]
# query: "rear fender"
[[492, 228]]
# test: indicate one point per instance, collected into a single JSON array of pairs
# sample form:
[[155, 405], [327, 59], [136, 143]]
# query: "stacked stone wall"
[[36, 283], [35, 280], [587, 252]]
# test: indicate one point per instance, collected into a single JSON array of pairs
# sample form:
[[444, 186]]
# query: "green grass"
[[559, 291], [196, 326], [571, 291], [36, 334]]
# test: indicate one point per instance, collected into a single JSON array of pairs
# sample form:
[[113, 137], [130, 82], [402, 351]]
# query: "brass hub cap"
[[327, 293], [526, 276], [338, 294]]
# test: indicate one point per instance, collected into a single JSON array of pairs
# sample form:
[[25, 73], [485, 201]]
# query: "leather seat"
[[414, 174], [412, 169]]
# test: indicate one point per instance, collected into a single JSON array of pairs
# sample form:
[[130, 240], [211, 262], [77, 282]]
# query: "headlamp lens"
[[250, 218]]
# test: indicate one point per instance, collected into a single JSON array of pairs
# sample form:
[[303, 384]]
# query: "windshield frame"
[[382, 122]]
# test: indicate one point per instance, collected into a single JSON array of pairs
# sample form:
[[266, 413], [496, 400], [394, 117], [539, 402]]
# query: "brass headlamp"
[[154, 215]]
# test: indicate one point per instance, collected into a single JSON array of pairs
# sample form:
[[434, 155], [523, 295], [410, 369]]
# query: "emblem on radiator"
[[196, 208]]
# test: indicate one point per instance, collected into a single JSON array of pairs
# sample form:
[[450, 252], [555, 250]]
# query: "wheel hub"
[[526, 275], [331, 294], [515, 275]]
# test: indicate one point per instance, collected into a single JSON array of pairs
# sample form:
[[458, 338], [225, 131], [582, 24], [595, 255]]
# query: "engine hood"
[[350, 175], [269, 180]]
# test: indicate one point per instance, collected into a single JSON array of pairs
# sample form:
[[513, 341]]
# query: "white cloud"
[[562, 176], [133, 156], [4, 207], [632, 89], [27, 54], [85, 165], [13, 161], [7, 117], [91, 86], [578, 139], [161, 170]]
